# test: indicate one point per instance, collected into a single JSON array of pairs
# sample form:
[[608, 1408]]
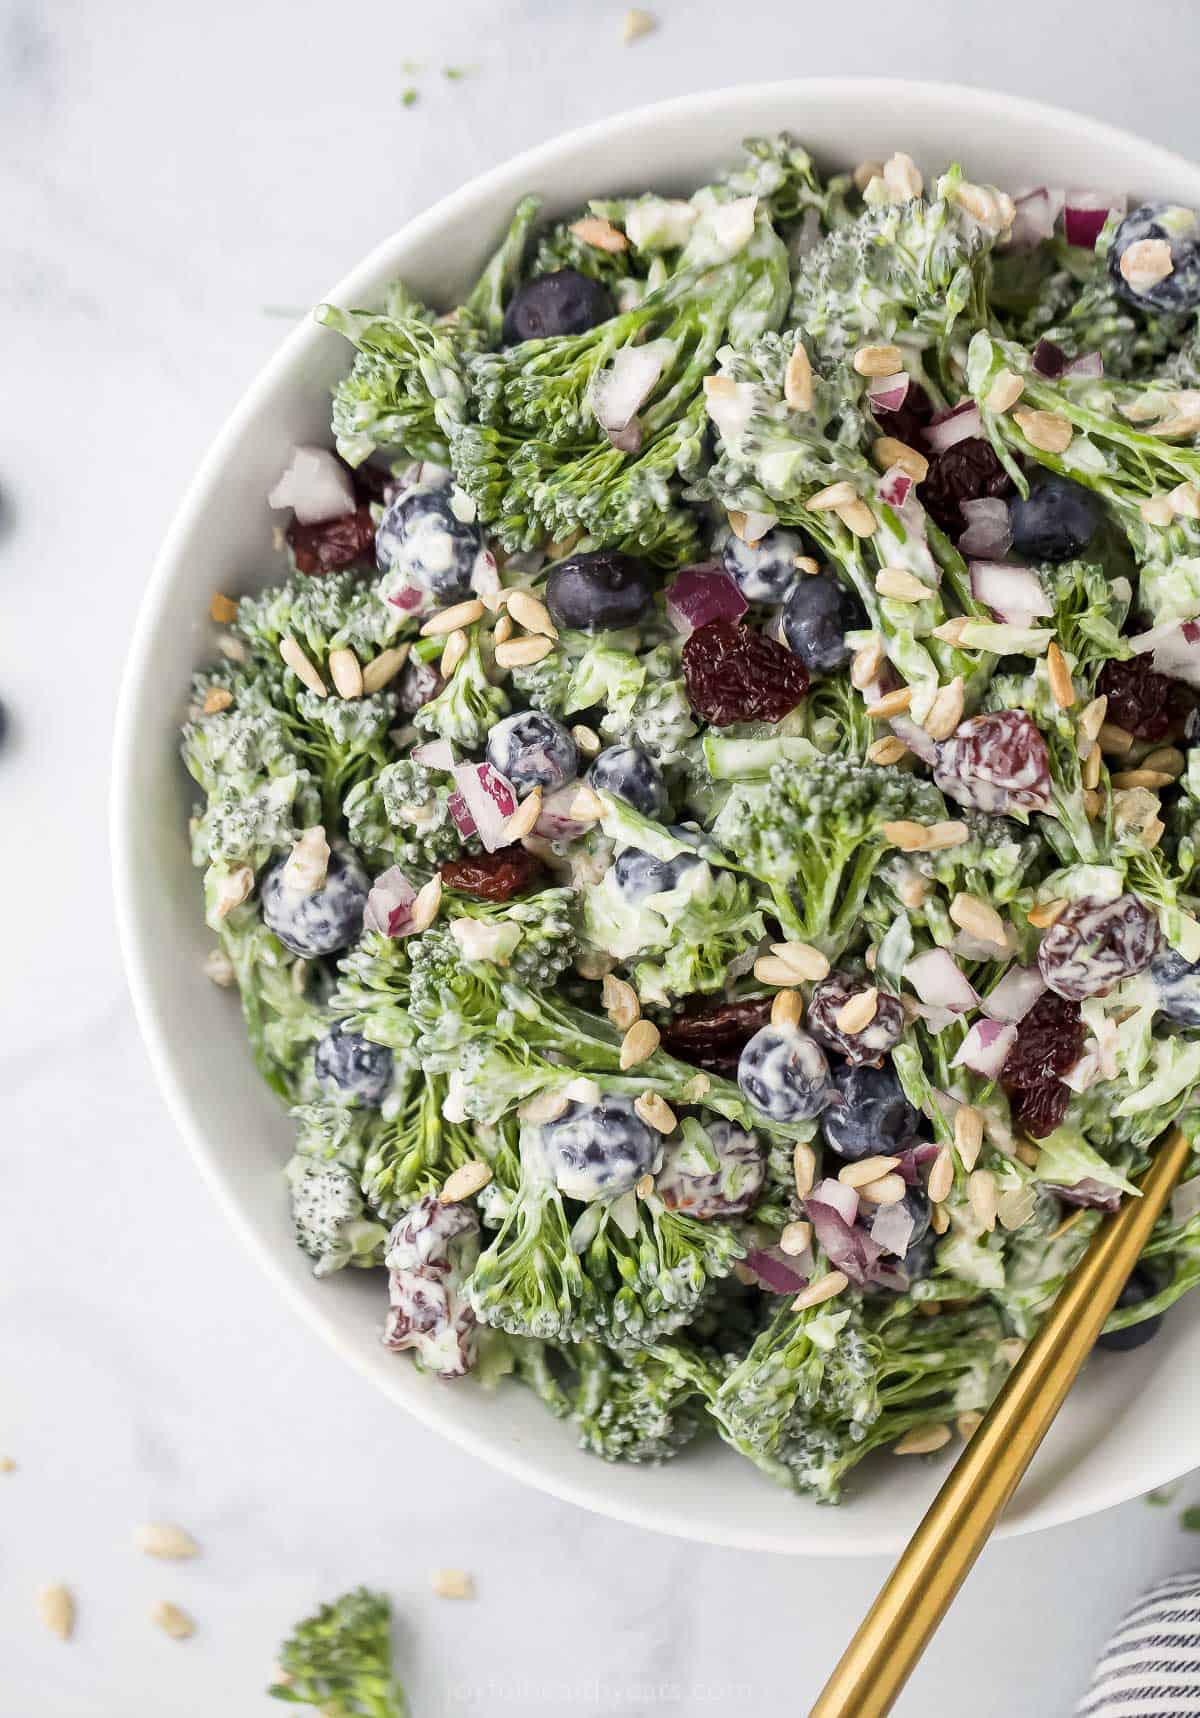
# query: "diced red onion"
[[700, 594], [1015, 994], [1049, 360], [960, 423], [1088, 367], [1173, 649], [555, 822], [892, 1228], [756, 525], [490, 798], [888, 393], [1014, 594], [848, 1247], [458, 810], [936, 978], [389, 904], [894, 486], [618, 392], [1085, 214], [913, 1161], [627, 439], [775, 1270], [434, 754], [1092, 1195], [937, 1019], [406, 598], [915, 738], [842, 1199], [315, 485], [988, 535], [1033, 222], [985, 1048]]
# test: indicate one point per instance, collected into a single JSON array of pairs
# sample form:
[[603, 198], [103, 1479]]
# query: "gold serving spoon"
[[918, 1593]]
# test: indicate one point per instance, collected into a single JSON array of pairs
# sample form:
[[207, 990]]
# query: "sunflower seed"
[[164, 1539], [56, 1608], [301, 667], [656, 1112], [171, 1620], [345, 673], [383, 669], [639, 1043], [922, 1441], [826, 1288], [1005, 391]]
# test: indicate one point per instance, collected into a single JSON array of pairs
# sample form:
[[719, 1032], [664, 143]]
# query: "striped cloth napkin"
[[1151, 1666]]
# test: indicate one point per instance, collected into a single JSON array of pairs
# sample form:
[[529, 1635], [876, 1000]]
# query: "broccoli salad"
[[706, 829]]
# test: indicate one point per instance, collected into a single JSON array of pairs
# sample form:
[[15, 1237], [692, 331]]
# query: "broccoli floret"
[[1091, 605], [343, 741], [1109, 451], [468, 706], [246, 830], [235, 750], [681, 940], [486, 301], [812, 835], [283, 1021], [820, 1389], [648, 707], [626, 1272], [547, 941], [910, 269], [339, 1660], [402, 817], [321, 614], [330, 1218], [373, 990], [407, 387], [641, 1409]]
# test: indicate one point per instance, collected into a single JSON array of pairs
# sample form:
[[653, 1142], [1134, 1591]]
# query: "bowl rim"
[[1057, 1507]]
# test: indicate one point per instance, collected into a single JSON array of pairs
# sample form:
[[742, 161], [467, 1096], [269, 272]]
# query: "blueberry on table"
[[602, 590], [630, 774], [868, 1114], [640, 875], [1140, 1287], [784, 1074], [763, 571], [422, 543], [816, 618], [565, 302], [348, 1065], [532, 750], [602, 1148], [1154, 260], [1055, 523], [321, 922]]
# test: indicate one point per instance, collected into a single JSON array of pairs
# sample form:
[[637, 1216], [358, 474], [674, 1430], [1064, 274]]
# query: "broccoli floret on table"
[[339, 1660]]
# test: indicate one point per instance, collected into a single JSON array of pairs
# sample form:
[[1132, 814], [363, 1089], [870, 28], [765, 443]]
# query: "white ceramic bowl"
[[1129, 1424]]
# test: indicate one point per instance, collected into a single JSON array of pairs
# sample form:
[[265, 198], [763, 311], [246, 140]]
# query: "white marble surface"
[[172, 181]]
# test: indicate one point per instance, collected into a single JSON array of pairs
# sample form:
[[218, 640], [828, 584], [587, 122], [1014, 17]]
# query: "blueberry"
[[532, 750], [918, 1208], [600, 591], [328, 919], [763, 571], [639, 875], [601, 1148], [1140, 1287], [1178, 291], [816, 618], [1178, 984], [868, 1114], [784, 1074], [421, 543], [348, 1065], [1057, 522], [630, 774], [565, 302]]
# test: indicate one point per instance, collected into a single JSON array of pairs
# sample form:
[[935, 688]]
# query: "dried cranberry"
[[968, 471], [880, 1035], [906, 423], [734, 674], [1139, 700], [334, 544], [996, 763], [494, 876], [1094, 944], [1041, 1110], [712, 1034], [1049, 1041]]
